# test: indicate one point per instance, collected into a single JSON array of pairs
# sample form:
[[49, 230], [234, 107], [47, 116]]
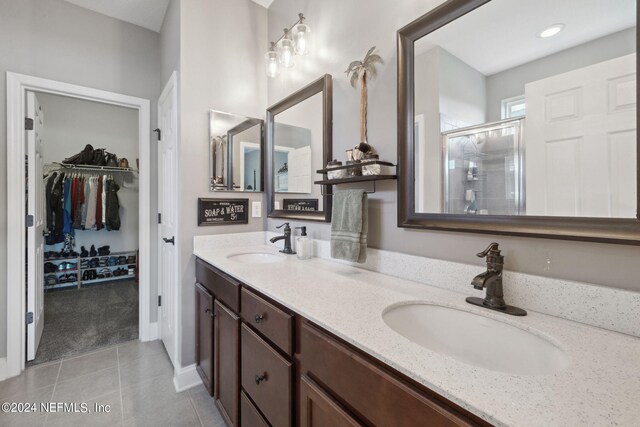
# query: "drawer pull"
[[260, 378], [211, 313], [259, 318]]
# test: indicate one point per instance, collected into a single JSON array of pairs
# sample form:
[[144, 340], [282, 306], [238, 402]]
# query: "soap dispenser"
[[304, 245]]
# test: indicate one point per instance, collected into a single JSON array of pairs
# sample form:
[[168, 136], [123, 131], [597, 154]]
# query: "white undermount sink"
[[256, 257], [476, 340]]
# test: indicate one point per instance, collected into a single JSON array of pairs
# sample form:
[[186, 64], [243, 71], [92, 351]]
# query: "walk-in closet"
[[85, 153]]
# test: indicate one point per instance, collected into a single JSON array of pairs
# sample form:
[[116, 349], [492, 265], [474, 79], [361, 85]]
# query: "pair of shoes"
[[84, 253], [104, 250], [50, 267], [121, 272], [89, 275], [50, 280], [104, 273], [131, 259], [68, 278], [84, 264], [92, 251], [64, 266], [94, 262]]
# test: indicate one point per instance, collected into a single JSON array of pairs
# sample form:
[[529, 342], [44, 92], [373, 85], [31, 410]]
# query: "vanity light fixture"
[[551, 31], [294, 41]]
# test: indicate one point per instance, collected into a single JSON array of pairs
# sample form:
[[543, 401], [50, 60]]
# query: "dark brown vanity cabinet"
[[266, 362], [204, 336], [226, 368], [353, 383], [267, 366], [218, 338]]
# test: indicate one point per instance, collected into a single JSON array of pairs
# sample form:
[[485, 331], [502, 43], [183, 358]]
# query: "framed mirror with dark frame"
[[299, 142], [520, 118], [236, 152]]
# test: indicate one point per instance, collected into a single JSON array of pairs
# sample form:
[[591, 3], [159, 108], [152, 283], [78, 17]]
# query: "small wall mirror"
[[299, 143], [236, 152], [520, 118]]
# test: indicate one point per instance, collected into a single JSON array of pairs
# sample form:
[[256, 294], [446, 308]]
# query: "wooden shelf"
[[108, 279], [357, 165], [364, 178]]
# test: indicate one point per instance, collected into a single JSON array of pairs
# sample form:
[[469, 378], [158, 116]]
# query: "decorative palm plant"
[[363, 70]]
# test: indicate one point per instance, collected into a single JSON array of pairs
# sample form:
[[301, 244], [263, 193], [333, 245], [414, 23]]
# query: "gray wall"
[[221, 49], [59, 41], [510, 83], [343, 31], [170, 41], [70, 124]]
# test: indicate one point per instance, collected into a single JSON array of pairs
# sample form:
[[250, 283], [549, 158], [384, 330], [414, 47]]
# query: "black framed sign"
[[309, 205], [223, 211]]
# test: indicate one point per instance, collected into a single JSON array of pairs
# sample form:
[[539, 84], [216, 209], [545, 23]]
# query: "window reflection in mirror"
[[236, 152], [298, 153], [510, 122]]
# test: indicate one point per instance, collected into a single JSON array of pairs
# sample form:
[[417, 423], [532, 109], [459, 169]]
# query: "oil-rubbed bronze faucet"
[[492, 281], [287, 239]]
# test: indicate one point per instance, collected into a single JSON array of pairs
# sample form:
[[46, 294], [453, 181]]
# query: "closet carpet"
[[80, 320]]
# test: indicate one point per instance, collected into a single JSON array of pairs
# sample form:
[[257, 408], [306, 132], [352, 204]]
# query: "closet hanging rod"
[[93, 168]]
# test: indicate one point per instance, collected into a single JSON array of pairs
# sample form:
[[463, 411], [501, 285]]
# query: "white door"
[[35, 238], [168, 207], [580, 138]]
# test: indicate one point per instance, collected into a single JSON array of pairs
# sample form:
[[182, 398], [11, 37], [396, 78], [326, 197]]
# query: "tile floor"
[[134, 378]]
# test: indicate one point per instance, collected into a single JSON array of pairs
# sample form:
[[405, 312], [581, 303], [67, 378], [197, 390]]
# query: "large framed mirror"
[[520, 118], [299, 142], [236, 152]]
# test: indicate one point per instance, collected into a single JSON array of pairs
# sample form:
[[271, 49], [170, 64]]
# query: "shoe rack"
[[107, 271]]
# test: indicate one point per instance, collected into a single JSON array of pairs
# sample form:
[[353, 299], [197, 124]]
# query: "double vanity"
[[312, 343]]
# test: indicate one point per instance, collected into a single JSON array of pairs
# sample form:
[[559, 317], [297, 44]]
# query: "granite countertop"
[[600, 387]]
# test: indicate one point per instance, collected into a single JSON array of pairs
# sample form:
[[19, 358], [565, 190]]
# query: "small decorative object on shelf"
[[335, 174], [373, 168], [362, 70], [355, 169]]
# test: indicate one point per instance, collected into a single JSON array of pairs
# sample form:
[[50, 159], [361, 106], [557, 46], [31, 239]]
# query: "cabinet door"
[[204, 336], [227, 372], [318, 409]]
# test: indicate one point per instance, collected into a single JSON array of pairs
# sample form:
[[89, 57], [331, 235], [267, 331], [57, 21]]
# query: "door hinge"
[[28, 123], [29, 220], [159, 218], [159, 132], [29, 318], [159, 300]]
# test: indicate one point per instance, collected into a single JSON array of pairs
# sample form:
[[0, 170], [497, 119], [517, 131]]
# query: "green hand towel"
[[349, 225]]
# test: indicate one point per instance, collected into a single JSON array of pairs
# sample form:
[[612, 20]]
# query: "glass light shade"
[[286, 52], [301, 39], [272, 63]]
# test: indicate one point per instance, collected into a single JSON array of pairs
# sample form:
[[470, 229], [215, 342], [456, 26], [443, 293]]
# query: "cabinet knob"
[[259, 318], [211, 313], [260, 378]]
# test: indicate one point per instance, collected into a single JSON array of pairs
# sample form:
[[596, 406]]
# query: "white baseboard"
[[153, 331], [3, 368], [186, 378]]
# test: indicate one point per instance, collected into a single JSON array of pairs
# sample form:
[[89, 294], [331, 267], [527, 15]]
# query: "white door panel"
[[580, 138], [168, 206], [35, 238]]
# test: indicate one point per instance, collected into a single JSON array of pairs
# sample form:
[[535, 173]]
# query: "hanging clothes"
[[79, 201], [113, 207]]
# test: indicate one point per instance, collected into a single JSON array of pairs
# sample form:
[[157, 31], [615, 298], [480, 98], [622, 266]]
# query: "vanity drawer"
[[224, 287], [268, 319], [266, 377], [347, 374], [249, 415]]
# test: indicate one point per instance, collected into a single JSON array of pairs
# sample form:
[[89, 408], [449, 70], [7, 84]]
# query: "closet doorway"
[[87, 244]]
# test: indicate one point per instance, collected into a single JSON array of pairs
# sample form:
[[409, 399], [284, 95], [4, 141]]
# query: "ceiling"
[[504, 33], [144, 13]]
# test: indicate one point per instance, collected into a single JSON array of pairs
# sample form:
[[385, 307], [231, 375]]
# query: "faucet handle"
[[491, 249], [283, 225]]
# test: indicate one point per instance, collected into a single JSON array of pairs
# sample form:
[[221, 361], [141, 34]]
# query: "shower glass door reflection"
[[483, 169]]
